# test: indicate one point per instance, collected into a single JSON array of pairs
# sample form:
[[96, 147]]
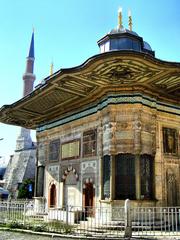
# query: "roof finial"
[[130, 20], [51, 68], [120, 26]]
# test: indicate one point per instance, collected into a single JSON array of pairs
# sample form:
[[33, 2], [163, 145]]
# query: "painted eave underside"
[[71, 90]]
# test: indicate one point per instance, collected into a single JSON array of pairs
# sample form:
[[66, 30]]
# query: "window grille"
[[125, 176], [54, 150], [106, 177], [89, 143], [146, 166]]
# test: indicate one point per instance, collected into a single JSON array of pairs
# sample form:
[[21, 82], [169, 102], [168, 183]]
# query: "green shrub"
[[3, 225], [14, 224]]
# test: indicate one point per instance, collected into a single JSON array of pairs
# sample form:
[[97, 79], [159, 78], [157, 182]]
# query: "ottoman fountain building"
[[108, 129]]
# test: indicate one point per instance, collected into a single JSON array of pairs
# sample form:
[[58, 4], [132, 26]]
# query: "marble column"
[[61, 195], [137, 151], [138, 176], [112, 177], [101, 178]]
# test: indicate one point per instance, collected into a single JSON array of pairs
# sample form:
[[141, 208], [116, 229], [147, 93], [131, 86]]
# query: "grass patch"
[[59, 226], [53, 226]]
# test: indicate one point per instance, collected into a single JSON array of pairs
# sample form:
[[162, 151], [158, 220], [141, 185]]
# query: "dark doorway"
[[89, 199], [53, 196]]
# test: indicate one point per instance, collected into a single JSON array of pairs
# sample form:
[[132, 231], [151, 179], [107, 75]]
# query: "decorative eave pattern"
[[70, 90], [113, 99]]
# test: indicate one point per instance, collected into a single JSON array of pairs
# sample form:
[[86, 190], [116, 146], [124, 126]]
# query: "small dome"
[[147, 46], [123, 30], [123, 39]]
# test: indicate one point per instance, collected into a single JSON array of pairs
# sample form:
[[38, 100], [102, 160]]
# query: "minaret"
[[24, 141]]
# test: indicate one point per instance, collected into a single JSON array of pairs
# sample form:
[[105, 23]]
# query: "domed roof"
[[147, 46], [122, 30], [119, 39]]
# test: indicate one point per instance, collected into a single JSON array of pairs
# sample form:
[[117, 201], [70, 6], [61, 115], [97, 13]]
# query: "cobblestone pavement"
[[6, 235]]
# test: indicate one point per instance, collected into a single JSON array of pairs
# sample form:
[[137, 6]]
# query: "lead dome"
[[120, 38]]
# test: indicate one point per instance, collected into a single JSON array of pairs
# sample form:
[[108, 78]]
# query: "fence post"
[[127, 219], [67, 214], [8, 209], [24, 213]]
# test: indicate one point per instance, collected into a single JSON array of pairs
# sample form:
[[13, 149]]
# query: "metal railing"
[[98, 221], [152, 221]]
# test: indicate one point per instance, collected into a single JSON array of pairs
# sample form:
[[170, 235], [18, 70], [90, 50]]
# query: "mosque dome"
[[121, 38]]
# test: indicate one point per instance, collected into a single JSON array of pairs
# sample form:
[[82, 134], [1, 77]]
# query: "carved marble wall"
[[129, 129], [121, 129]]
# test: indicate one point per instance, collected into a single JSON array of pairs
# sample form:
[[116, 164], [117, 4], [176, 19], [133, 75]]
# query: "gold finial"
[[130, 20], [120, 26], [51, 68]]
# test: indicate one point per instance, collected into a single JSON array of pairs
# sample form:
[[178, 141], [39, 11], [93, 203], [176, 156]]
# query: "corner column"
[[138, 176], [61, 195], [137, 150], [101, 178], [112, 177]]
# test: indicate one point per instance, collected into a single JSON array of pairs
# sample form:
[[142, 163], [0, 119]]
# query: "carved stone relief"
[[170, 140], [88, 167], [53, 170], [171, 188]]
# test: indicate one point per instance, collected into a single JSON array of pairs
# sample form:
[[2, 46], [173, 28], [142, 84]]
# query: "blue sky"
[[66, 31]]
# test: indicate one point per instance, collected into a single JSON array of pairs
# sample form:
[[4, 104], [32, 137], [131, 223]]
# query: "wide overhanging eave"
[[66, 87]]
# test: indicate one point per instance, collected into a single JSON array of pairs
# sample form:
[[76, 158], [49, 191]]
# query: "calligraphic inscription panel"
[[70, 150]]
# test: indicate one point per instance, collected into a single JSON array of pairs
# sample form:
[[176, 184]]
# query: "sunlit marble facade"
[[108, 129]]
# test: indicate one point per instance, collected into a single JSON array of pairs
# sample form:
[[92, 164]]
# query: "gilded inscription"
[[70, 150]]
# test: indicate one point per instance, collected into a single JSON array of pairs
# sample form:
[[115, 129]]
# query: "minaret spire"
[[31, 49], [24, 140], [29, 76]]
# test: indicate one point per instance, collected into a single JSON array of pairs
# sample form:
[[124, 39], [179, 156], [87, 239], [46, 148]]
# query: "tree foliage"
[[24, 189]]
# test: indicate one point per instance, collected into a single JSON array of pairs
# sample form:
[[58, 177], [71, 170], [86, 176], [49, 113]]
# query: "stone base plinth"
[[39, 205]]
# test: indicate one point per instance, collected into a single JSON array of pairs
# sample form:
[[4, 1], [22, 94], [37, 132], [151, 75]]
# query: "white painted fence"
[[105, 222]]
